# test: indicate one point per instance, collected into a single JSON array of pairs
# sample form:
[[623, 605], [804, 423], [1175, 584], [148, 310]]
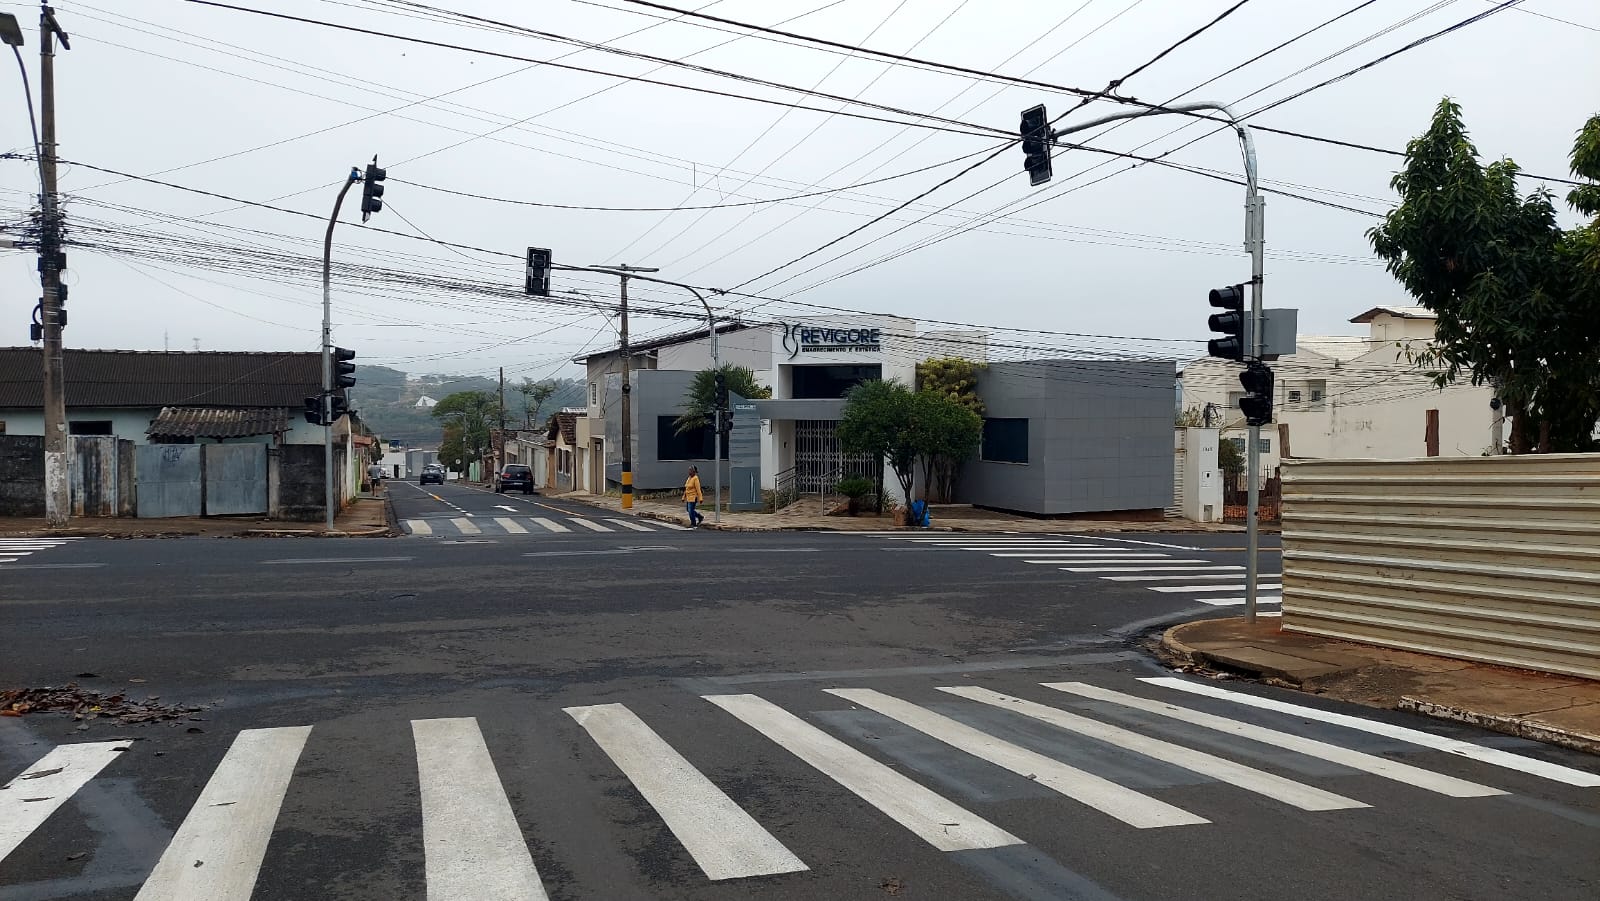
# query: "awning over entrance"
[[821, 408]]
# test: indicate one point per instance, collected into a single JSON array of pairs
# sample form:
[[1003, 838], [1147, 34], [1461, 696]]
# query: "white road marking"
[[1178, 578], [506, 507], [589, 524], [927, 815], [1069, 555], [550, 525], [1239, 602], [216, 853], [510, 525], [1250, 779], [674, 526], [419, 527], [724, 840], [1057, 561], [301, 560], [1180, 547], [1260, 586], [1378, 766], [1137, 810], [28, 800], [1492, 756], [472, 844], [467, 526], [1148, 569], [630, 524]]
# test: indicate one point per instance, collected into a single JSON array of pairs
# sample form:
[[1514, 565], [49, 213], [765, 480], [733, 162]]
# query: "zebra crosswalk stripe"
[[27, 801], [466, 526], [1250, 779], [419, 527], [1356, 760], [1237, 586], [549, 525], [724, 840], [472, 845], [630, 524], [928, 815], [1137, 810], [510, 525], [229, 825], [589, 524], [1240, 602], [1493, 756], [1160, 566], [1181, 577]]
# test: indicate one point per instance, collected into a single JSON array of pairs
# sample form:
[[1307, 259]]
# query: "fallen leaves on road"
[[892, 885], [88, 704]]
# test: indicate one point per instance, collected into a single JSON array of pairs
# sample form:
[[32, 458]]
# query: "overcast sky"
[[277, 111]]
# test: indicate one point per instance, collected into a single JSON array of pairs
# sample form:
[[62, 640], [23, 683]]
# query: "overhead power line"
[[950, 125]]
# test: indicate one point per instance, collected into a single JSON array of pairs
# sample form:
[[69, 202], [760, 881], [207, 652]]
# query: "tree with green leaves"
[[955, 378], [1516, 296], [476, 414], [877, 421], [947, 434], [908, 428], [534, 396], [702, 399]]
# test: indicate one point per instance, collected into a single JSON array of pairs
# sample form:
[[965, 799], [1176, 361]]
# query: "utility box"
[[1202, 477]]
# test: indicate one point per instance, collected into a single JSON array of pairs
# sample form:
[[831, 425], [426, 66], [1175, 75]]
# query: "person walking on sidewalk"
[[692, 495]]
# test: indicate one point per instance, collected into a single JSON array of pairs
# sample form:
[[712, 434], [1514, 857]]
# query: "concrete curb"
[[381, 532], [1177, 649], [1509, 725]]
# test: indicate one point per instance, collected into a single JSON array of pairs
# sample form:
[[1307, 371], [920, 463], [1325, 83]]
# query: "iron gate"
[[820, 461], [236, 479]]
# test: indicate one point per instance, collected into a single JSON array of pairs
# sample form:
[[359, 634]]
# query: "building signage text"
[[813, 339]]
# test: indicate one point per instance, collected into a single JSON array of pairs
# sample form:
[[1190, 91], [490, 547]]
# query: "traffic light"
[[344, 371], [338, 406], [1230, 323], [314, 410], [539, 271], [372, 190], [1036, 144], [1256, 405], [721, 397]]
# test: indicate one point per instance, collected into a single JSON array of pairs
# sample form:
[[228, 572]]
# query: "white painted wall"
[[1374, 404]]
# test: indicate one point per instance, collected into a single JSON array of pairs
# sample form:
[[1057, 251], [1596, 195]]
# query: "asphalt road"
[[668, 714]]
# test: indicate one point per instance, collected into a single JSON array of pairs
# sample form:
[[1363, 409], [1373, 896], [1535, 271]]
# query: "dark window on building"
[[830, 382], [694, 444], [89, 427], [1005, 440]]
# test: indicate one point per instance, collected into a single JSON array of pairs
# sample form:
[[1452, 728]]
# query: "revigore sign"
[[798, 338]]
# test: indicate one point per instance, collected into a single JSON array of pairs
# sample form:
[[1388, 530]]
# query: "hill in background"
[[387, 401]]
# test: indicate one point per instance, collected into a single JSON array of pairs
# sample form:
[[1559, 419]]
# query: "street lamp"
[[11, 34]]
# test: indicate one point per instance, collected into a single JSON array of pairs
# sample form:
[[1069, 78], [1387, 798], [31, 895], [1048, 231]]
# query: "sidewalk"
[[367, 517], [1560, 710], [808, 516]]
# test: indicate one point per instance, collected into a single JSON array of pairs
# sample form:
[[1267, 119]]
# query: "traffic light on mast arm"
[[1230, 322], [372, 190], [1036, 144]]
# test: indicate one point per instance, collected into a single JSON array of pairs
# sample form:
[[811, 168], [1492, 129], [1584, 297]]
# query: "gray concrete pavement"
[[698, 715]]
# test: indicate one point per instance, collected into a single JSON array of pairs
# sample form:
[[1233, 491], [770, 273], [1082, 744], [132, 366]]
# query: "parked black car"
[[514, 475], [433, 472]]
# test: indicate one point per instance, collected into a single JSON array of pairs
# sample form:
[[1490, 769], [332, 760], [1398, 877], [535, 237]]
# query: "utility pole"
[[57, 495], [624, 270], [327, 349], [500, 454]]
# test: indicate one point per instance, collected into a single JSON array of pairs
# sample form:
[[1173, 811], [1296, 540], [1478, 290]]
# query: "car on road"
[[514, 475], [433, 472]]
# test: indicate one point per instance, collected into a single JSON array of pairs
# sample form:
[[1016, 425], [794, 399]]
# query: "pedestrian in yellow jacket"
[[692, 495]]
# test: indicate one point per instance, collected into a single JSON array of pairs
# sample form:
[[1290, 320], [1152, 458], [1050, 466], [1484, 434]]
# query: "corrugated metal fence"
[[1483, 558]]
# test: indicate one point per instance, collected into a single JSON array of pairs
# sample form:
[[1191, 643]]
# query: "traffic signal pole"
[[57, 491], [327, 349], [1255, 243]]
